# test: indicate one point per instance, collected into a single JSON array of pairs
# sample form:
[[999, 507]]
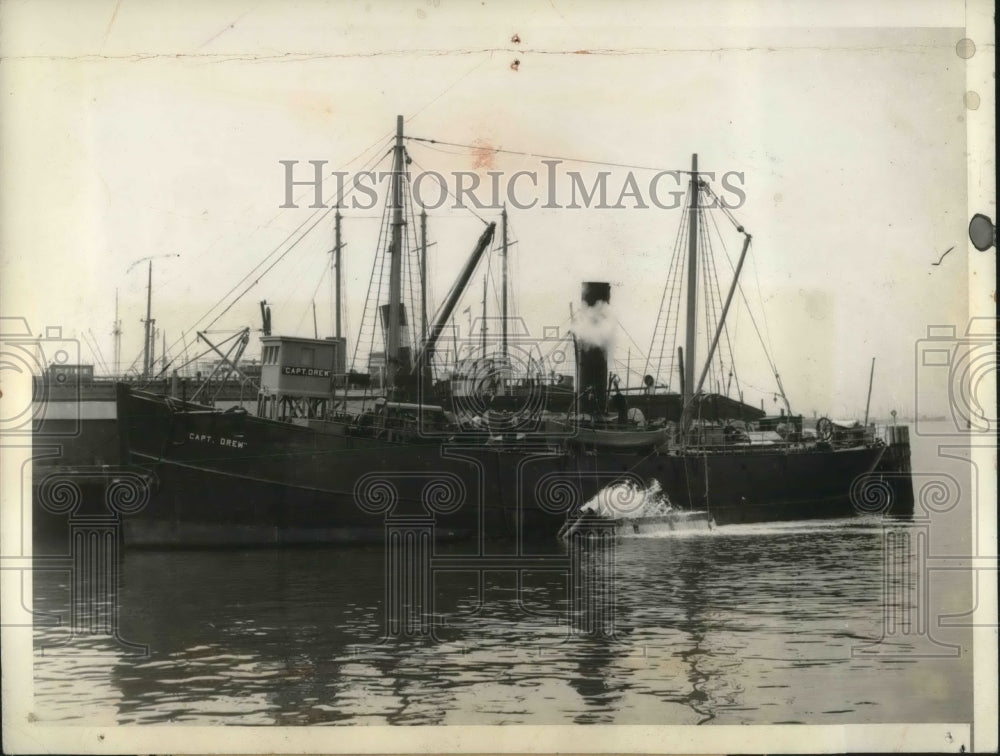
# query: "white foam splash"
[[628, 500]]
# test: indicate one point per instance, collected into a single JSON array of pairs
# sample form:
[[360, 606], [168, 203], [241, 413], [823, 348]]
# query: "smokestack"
[[596, 291], [592, 348]]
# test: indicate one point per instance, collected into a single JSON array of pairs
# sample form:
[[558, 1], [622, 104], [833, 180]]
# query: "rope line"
[[502, 151], [321, 212], [448, 192]]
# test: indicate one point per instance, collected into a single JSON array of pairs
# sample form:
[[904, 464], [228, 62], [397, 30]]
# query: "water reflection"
[[739, 626]]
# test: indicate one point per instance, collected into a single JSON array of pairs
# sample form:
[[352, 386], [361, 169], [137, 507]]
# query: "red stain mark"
[[483, 155], [581, 52], [515, 65]]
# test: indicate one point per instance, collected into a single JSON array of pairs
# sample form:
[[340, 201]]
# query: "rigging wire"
[[670, 296], [669, 311], [268, 269], [709, 306], [378, 264], [676, 295], [345, 310], [408, 248], [513, 272], [634, 342], [721, 205], [334, 294], [763, 309], [500, 150], [760, 337], [713, 299], [312, 301], [710, 302], [414, 256], [322, 215], [285, 285], [91, 341], [767, 352], [486, 59], [322, 212], [448, 192], [430, 146], [714, 287], [134, 364], [734, 373]]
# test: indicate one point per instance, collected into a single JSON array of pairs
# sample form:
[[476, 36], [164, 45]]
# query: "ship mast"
[[117, 331], [146, 359], [336, 262], [503, 297], [423, 275], [483, 329], [395, 263], [692, 292]]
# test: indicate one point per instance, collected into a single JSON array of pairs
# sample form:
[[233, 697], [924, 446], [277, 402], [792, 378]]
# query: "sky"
[[134, 130]]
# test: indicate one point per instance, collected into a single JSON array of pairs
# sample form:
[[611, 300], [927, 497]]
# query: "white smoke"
[[595, 326]]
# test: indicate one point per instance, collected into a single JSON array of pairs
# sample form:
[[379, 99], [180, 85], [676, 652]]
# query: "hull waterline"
[[228, 478]]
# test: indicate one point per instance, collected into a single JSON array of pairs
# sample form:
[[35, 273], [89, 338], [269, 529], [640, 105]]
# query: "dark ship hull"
[[731, 486], [225, 477], [229, 478]]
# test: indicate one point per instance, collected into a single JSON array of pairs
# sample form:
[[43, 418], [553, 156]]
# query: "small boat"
[[613, 438], [631, 510]]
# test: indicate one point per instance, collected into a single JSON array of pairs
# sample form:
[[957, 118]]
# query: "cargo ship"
[[302, 469]]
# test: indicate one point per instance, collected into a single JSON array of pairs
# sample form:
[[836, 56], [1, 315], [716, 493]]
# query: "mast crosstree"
[[693, 263]]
